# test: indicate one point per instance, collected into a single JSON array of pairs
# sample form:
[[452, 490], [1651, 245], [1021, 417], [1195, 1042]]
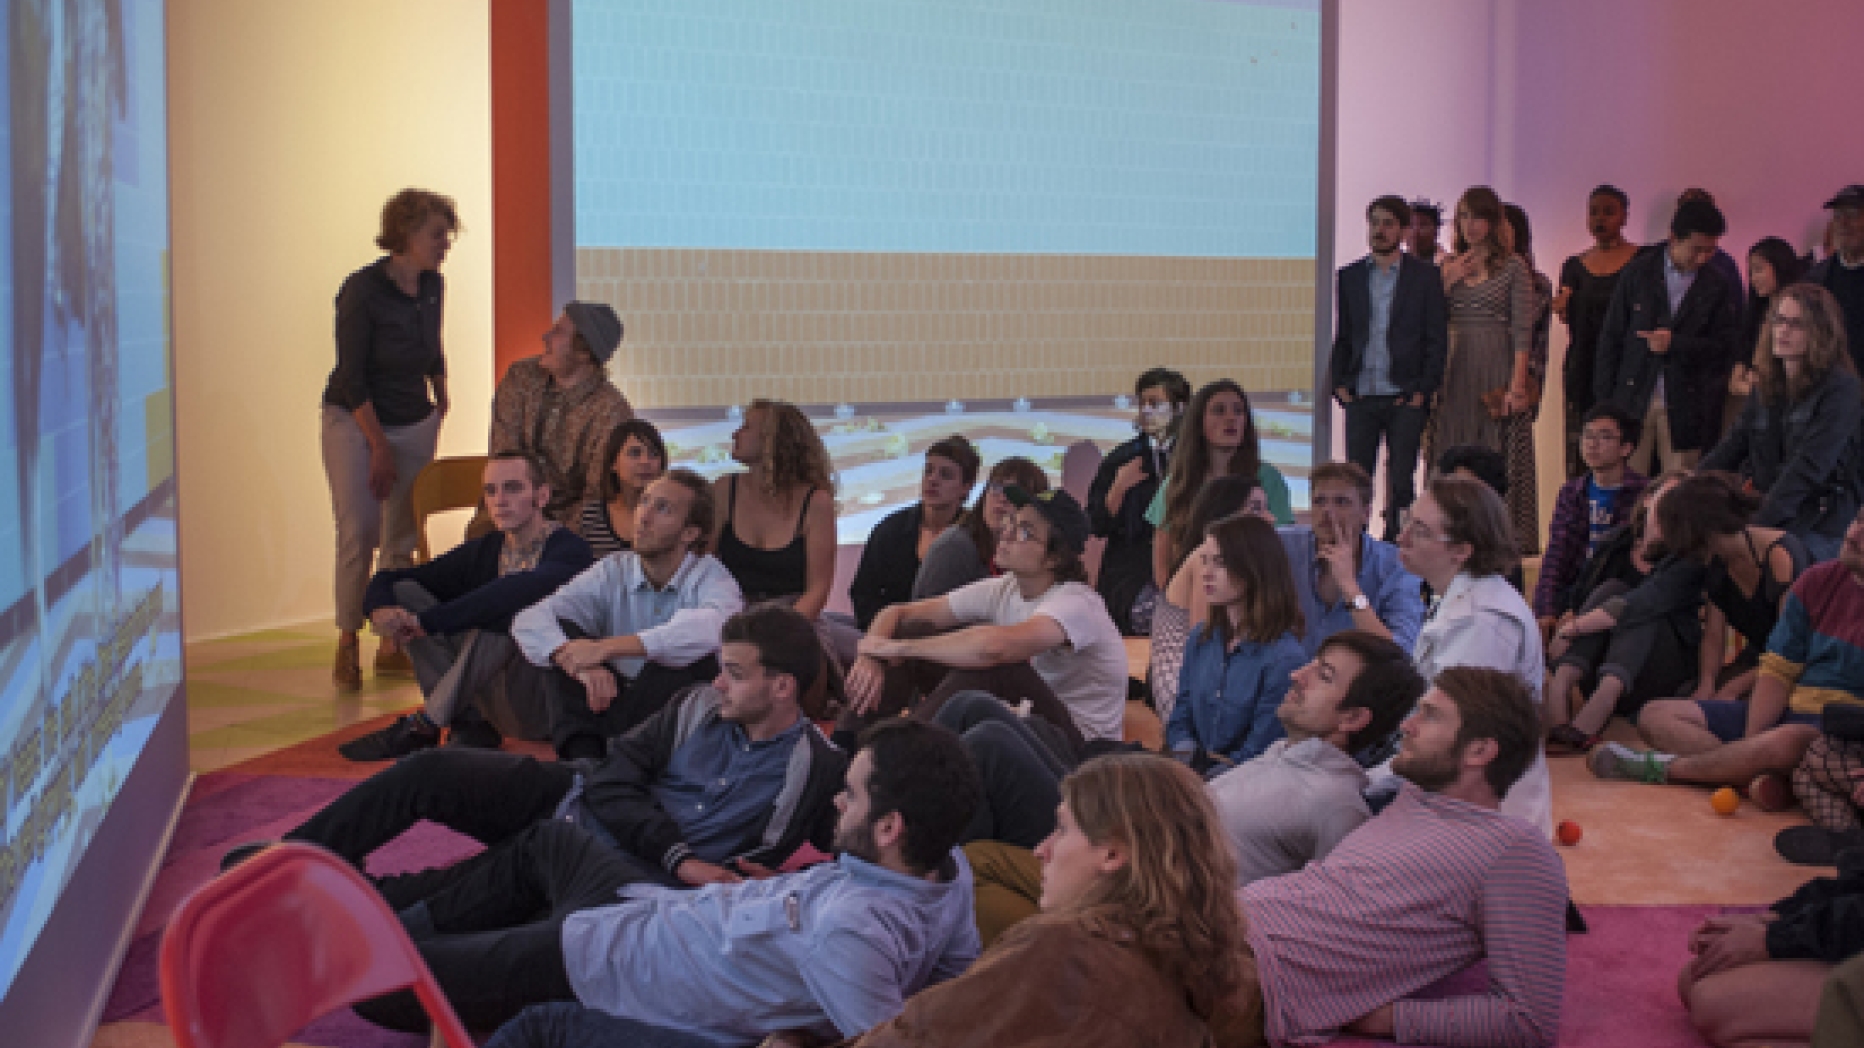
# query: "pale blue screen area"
[[1130, 127]]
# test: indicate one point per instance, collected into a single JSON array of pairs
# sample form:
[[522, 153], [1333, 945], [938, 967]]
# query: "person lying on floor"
[[831, 951], [689, 797], [1282, 810], [1812, 657], [1755, 978], [452, 615], [1440, 878], [1036, 633], [621, 638], [1137, 918], [1345, 578], [1238, 661]]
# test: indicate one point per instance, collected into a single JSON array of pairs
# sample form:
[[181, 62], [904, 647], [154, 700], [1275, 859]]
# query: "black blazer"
[[1418, 336], [1705, 338]]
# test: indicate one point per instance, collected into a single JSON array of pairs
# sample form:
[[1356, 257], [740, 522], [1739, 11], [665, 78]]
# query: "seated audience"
[[1810, 658], [1237, 663], [561, 408], [621, 638], [1217, 438], [1345, 578], [1842, 270], [899, 543], [1181, 605], [967, 551], [1587, 508], [1669, 339], [538, 919], [1137, 918], [1388, 354], [1796, 441], [1757, 978], [636, 456], [1624, 659], [687, 796], [1303, 795], [1037, 633], [1829, 783], [1483, 463], [1438, 878], [1128, 479], [452, 615], [1457, 541], [776, 537]]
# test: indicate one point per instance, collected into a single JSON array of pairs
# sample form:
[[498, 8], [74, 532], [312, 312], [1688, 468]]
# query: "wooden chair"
[[444, 484]]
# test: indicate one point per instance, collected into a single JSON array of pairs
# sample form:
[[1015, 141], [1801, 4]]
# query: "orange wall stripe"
[[521, 288]]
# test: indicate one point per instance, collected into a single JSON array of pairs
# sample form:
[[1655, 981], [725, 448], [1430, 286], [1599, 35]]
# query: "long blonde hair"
[[1175, 897], [793, 455], [1826, 350]]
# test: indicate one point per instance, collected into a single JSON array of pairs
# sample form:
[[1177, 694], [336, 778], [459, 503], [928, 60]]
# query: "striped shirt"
[[1817, 647], [1418, 894]]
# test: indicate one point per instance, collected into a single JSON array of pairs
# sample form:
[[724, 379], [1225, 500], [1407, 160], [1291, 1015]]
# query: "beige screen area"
[[1025, 354]]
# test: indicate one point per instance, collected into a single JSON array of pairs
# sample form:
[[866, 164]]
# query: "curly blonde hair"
[[1826, 344], [1175, 898], [793, 455]]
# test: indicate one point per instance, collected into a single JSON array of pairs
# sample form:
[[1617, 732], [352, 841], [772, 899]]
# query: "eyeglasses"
[[1790, 323], [1595, 436], [1421, 531]]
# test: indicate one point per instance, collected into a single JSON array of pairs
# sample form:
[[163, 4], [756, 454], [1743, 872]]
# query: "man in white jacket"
[[638, 626]]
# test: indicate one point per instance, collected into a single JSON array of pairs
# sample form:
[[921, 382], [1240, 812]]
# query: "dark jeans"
[[1013, 683], [487, 795], [1653, 659], [578, 731], [1018, 762], [493, 939], [577, 1026], [1370, 420]]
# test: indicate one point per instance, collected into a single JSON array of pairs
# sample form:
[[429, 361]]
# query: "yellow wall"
[[290, 124]]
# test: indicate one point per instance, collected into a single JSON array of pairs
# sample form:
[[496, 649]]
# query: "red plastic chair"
[[289, 935]]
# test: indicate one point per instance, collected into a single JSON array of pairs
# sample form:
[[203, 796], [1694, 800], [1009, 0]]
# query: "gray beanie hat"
[[597, 323]]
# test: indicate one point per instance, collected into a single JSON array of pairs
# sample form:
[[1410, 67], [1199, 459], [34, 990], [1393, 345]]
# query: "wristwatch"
[[1360, 602]]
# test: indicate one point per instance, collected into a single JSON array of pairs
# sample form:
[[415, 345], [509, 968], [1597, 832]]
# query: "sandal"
[[1568, 741]]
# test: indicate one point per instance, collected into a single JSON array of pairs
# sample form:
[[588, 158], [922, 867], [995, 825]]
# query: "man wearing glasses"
[[1036, 634]]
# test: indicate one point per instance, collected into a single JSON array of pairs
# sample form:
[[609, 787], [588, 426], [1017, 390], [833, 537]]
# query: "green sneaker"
[[1615, 760]]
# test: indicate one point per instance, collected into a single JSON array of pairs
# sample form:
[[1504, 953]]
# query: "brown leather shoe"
[[392, 662], [346, 673]]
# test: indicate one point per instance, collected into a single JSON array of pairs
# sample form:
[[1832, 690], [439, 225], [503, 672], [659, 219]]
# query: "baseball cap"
[[597, 323], [1064, 515], [1849, 196]]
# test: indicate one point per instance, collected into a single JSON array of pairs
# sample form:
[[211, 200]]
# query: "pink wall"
[[1755, 102]]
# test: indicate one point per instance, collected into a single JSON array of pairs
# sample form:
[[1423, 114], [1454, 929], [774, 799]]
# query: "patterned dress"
[[1489, 323]]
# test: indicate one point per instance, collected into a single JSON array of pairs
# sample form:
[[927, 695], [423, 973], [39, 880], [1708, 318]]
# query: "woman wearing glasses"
[[1796, 441]]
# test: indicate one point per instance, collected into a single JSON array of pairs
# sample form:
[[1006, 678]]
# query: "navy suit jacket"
[[1418, 336], [1705, 335]]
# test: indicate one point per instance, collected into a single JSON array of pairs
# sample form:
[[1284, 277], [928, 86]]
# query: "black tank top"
[[764, 574], [1754, 616]]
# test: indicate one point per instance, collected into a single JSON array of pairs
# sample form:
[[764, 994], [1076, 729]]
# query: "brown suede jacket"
[[1053, 980]]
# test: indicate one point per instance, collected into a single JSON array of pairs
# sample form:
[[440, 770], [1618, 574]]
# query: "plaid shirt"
[[1568, 534], [567, 428]]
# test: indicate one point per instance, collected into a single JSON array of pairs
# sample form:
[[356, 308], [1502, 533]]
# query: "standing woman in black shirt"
[[1587, 281], [379, 421]]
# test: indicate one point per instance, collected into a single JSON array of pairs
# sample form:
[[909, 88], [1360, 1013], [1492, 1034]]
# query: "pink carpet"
[[1620, 978]]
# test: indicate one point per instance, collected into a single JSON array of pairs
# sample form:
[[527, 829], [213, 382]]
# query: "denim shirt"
[[1375, 373], [720, 783], [833, 950], [1395, 594], [1227, 698]]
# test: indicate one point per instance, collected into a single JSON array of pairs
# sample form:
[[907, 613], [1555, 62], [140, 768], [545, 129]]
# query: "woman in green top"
[[1217, 438]]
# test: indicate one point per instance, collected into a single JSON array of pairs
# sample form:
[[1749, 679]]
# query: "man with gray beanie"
[[560, 406]]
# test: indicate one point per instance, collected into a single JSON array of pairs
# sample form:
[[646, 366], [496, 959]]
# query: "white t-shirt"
[[1088, 673]]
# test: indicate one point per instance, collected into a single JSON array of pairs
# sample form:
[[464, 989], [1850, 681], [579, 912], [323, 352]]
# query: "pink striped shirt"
[[1419, 893]]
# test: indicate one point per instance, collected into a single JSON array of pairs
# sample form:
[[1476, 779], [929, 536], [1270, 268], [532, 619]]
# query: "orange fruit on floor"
[[1725, 800]]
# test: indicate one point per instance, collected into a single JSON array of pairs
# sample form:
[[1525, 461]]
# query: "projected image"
[[89, 639], [881, 209]]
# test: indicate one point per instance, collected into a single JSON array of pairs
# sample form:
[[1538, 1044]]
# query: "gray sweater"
[[1289, 806]]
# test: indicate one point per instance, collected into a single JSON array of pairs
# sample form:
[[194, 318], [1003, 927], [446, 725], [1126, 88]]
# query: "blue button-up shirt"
[[834, 950], [1227, 697], [1375, 373], [720, 783], [1393, 592], [677, 624]]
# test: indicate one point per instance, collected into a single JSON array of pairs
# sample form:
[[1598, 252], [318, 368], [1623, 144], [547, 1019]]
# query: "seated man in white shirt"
[[638, 626], [1036, 633], [1293, 803]]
